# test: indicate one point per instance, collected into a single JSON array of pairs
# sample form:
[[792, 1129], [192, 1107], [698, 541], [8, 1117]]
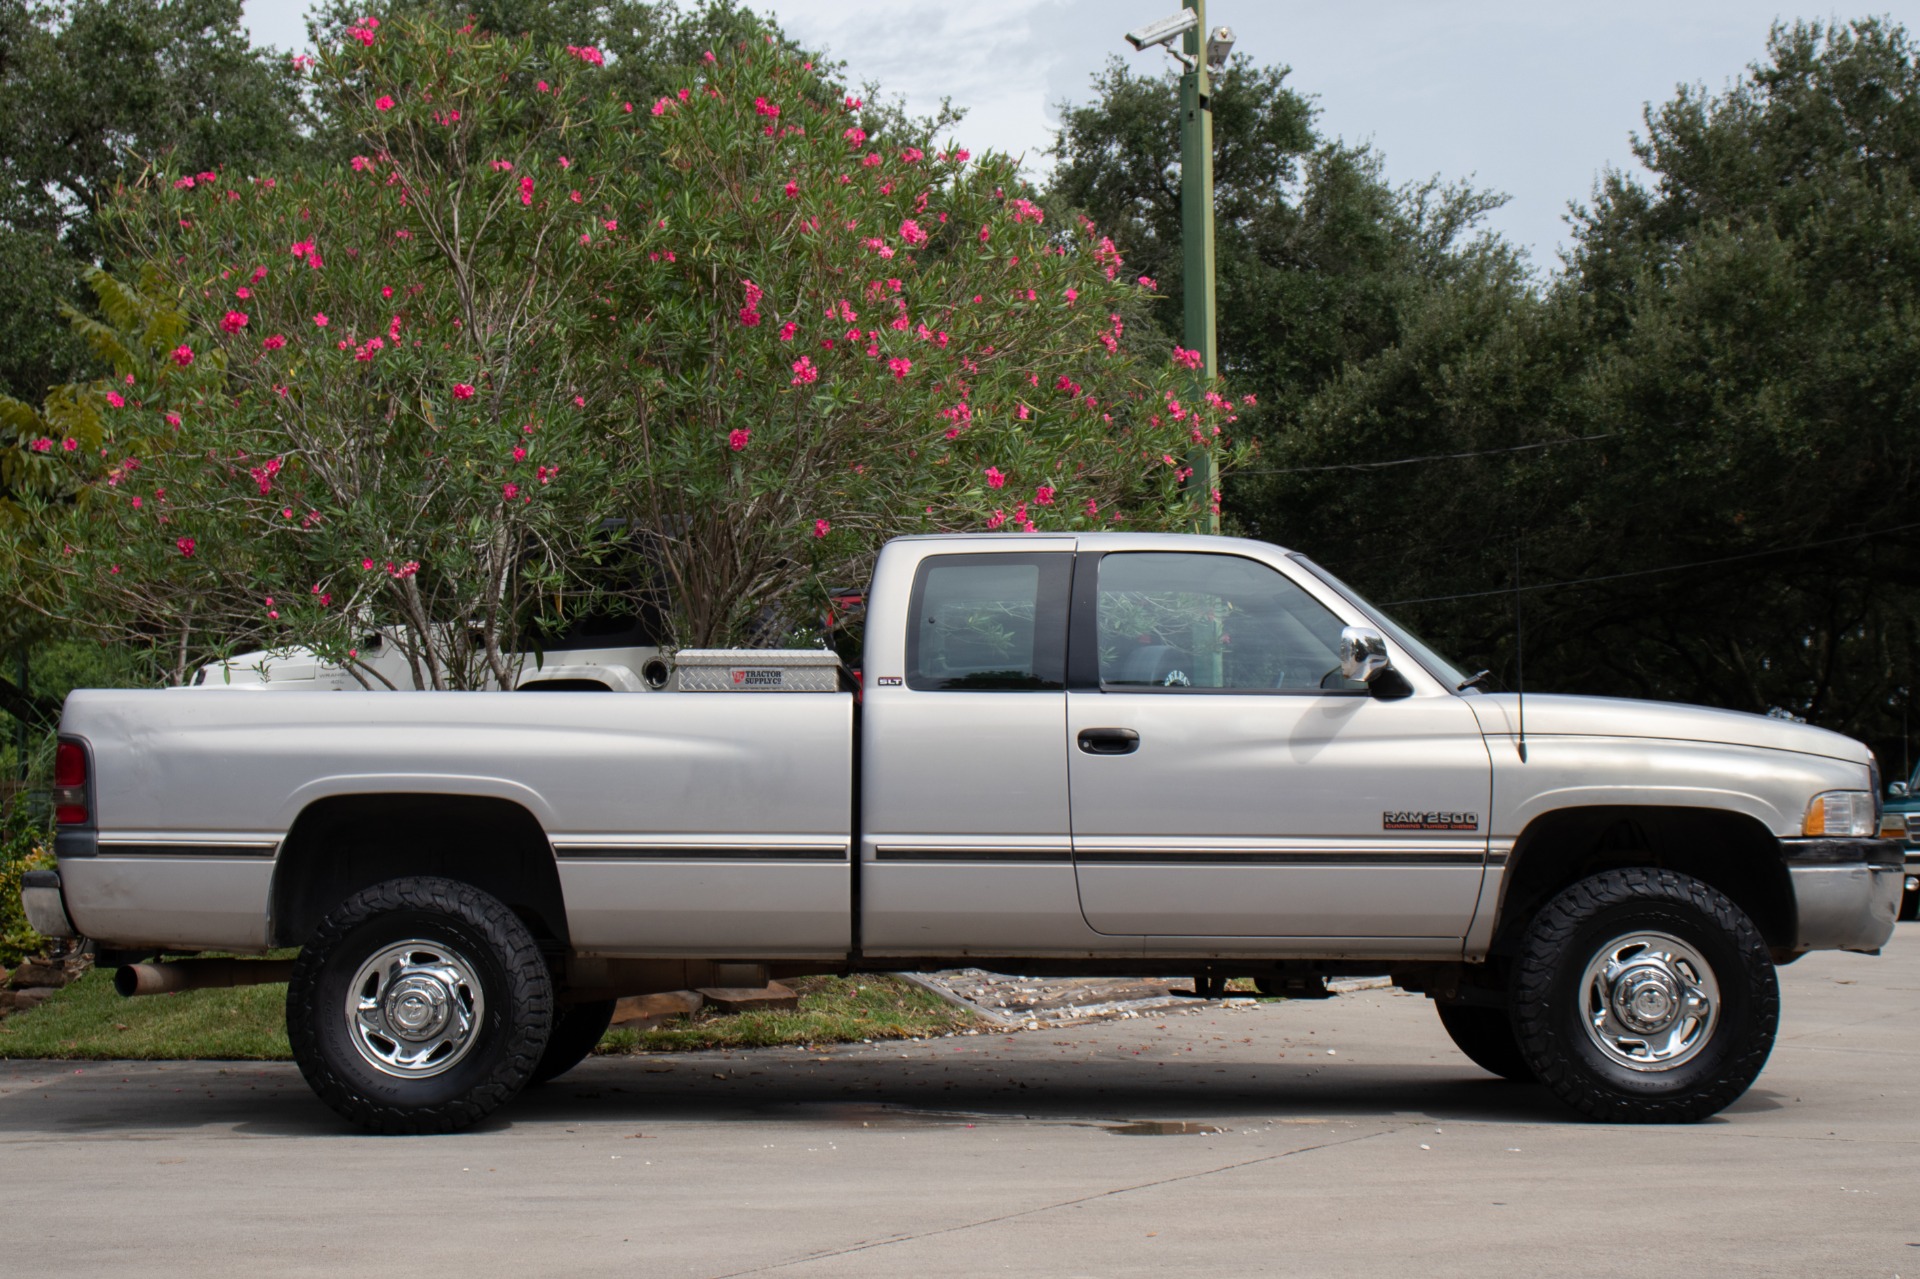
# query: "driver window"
[[1187, 620]]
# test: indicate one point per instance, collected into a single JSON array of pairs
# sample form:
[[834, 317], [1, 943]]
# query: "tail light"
[[72, 804]]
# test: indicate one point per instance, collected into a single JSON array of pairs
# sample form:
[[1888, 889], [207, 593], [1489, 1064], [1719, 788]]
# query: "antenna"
[[1519, 653]]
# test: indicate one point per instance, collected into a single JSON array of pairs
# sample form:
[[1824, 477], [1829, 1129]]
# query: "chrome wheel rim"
[[1649, 1001], [414, 1009]]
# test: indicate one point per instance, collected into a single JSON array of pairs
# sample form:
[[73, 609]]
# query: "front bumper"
[[44, 904], [1847, 891]]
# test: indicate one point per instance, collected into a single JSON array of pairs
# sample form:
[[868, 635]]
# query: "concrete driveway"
[[1352, 1140]]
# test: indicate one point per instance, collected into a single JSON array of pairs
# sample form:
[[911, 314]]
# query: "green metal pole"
[[1196, 235]]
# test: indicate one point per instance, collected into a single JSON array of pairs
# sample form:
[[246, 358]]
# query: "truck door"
[[1227, 784], [965, 844]]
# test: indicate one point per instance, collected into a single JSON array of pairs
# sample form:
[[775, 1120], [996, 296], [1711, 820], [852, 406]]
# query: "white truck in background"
[[599, 655]]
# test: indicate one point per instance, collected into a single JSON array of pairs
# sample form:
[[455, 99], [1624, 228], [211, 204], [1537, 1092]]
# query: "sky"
[[1530, 98]]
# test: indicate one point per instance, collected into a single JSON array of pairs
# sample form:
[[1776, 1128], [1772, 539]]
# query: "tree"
[[91, 91], [1701, 436], [416, 385], [1317, 256]]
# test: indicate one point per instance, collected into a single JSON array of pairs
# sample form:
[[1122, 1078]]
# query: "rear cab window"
[[991, 622]]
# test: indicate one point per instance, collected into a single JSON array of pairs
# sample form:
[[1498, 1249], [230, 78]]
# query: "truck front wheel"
[[1644, 996], [419, 1005]]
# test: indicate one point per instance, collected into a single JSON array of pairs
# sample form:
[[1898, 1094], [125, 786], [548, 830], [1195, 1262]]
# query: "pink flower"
[[1073, 295], [183, 355], [995, 479], [116, 399], [383, 103], [737, 438], [792, 189], [173, 420], [462, 391], [821, 528], [660, 107], [243, 293], [804, 372], [320, 320], [1186, 359], [361, 164], [855, 136], [910, 232], [999, 518], [366, 564], [900, 366], [1044, 495], [787, 331], [69, 444], [186, 546], [587, 54], [519, 453], [233, 321], [986, 233], [44, 446], [526, 191], [259, 274], [1149, 283], [509, 491]]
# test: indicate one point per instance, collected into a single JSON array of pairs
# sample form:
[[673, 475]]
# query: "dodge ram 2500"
[[1098, 754]]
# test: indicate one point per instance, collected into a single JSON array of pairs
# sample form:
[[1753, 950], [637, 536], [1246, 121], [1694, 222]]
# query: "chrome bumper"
[[45, 907]]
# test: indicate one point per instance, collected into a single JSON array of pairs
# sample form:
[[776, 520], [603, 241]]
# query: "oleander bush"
[[530, 325]]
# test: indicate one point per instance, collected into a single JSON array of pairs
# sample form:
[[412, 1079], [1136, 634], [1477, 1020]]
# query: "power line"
[[1430, 457], [1648, 572]]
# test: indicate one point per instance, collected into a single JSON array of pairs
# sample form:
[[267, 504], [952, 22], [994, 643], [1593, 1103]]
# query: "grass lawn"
[[88, 1022]]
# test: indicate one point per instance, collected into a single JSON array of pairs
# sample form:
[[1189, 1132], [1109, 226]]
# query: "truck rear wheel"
[[1644, 996], [1485, 1035], [419, 1005], [575, 1034]]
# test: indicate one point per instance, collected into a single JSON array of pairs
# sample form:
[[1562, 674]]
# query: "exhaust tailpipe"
[[198, 974]]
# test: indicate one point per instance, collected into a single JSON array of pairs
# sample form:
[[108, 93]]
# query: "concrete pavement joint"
[[1064, 1203]]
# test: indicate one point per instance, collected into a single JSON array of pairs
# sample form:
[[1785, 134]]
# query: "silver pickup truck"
[[1100, 754]]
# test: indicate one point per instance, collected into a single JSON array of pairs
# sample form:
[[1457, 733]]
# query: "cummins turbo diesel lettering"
[[1065, 769]]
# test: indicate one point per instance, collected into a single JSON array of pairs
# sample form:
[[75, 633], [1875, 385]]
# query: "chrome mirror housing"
[[1897, 790], [1363, 653]]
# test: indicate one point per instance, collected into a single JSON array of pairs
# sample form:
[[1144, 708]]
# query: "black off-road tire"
[[509, 1035], [575, 1034], [1485, 1035], [1548, 1000]]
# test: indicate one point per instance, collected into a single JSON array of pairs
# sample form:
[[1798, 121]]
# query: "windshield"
[[1437, 666]]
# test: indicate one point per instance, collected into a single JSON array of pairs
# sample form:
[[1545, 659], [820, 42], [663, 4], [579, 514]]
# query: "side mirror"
[[1898, 790], [1363, 657], [1363, 653]]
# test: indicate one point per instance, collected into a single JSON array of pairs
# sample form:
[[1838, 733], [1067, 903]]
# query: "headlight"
[[1846, 813]]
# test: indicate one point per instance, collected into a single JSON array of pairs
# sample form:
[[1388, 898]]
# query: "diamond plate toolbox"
[[756, 670]]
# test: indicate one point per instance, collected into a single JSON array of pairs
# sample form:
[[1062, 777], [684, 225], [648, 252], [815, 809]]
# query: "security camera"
[[1219, 45], [1165, 31]]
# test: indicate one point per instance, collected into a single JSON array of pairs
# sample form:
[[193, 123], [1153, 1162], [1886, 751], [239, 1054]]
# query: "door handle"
[[1109, 741]]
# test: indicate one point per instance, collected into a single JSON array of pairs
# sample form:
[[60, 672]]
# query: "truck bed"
[[681, 823]]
